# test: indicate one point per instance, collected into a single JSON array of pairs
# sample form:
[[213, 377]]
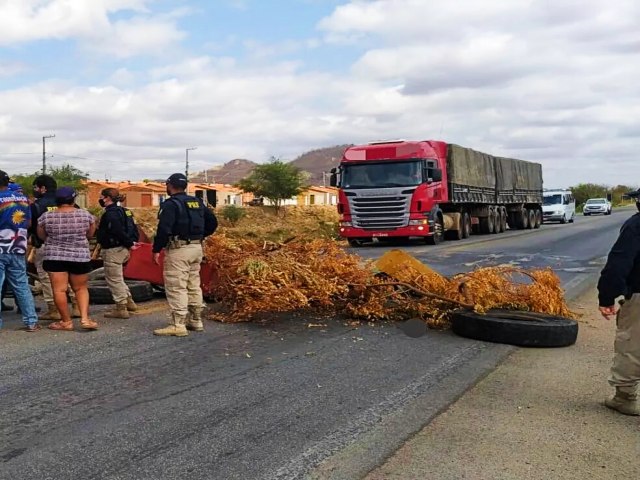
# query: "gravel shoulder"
[[539, 415]]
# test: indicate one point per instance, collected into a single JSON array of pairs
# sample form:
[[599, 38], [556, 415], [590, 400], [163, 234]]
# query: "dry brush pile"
[[256, 279]]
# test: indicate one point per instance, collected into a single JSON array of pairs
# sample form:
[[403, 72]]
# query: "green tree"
[[276, 181], [66, 175], [584, 191]]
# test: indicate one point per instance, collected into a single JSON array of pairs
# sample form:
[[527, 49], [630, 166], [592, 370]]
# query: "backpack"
[[130, 227]]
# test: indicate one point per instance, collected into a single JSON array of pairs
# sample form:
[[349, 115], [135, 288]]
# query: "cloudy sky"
[[127, 85]]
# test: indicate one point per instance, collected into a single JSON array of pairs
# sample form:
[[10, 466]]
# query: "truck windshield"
[[387, 174], [552, 199]]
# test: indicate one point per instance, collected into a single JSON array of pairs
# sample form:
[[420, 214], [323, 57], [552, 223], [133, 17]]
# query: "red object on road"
[[141, 267]]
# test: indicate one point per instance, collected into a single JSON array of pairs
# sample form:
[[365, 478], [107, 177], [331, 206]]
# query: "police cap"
[[178, 180]]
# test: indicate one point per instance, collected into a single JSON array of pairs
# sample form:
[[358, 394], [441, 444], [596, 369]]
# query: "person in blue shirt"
[[15, 218]]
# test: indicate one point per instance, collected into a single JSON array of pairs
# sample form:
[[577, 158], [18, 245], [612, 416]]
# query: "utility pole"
[[186, 170], [44, 154]]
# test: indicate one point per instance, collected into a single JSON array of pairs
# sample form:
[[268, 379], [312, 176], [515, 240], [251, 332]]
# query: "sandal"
[[89, 324], [31, 328], [66, 326]]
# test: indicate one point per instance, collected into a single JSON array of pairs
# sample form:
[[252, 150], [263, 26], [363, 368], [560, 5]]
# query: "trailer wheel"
[[523, 219], [466, 225], [503, 219], [524, 329], [539, 219], [496, 221], [531, 218], [486, 224]]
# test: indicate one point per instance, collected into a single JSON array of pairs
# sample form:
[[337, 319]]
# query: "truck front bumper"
[[408, 231]]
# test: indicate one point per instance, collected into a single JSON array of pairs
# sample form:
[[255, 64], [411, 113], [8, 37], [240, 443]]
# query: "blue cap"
[[66, 193]]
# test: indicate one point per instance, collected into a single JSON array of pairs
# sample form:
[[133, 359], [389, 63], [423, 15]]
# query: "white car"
[[597, 206]]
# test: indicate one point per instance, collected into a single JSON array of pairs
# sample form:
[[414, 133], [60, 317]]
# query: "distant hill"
[[320, 160], [313, 162], [229, 173]]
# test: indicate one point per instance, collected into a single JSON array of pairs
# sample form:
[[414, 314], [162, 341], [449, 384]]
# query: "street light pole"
[[186, 169], [44, 155]]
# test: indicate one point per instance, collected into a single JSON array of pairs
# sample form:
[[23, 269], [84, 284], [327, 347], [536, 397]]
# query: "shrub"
[[233, 213]]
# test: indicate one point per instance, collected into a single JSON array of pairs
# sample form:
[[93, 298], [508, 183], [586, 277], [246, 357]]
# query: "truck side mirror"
[[436, 175], [333, 177]]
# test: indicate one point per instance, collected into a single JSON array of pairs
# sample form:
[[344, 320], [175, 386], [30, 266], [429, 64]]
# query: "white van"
[[558, 206]]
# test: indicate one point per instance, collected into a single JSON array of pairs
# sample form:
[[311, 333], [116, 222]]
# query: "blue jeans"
[[13, 268]]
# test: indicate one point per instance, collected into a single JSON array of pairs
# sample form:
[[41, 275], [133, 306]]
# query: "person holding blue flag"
[[15, 218]]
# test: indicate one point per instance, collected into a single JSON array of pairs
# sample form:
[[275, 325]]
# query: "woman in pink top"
[[67, 259]]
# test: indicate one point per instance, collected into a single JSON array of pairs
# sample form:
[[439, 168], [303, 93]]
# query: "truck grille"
[[386, 210]]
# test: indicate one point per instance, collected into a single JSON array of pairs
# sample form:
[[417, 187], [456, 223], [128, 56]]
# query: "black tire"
[[531, 219], [538, 221], [503, 220], [99, 293], [586, 214], [524, 329], [355, 242], [496, 221], [522, 219], [486, 224], [438, 235], [466, 225]]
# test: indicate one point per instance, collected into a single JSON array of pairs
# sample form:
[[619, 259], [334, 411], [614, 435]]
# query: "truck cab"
[[388, 190]]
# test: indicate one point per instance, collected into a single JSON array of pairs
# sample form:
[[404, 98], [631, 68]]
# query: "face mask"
[[638, 206], [37, 194], [168, 192], [101, 202]]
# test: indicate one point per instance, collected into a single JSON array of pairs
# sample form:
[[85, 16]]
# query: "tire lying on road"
[[524, 329], [99, 293]]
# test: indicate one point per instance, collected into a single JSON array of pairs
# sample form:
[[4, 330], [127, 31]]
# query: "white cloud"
[[549, 82], [89, 22]]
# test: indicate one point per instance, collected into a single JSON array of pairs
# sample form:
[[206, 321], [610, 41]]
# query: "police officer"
[[184, 222], [116, 235], [621, 276], [44, 189]]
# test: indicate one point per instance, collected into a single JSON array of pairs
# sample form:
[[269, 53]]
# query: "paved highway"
[[281, 401]]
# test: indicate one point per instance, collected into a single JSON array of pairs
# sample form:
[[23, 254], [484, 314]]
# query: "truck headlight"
[[418, 222]]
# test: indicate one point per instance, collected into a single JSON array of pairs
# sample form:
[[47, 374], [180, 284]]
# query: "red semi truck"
[[434, 190]]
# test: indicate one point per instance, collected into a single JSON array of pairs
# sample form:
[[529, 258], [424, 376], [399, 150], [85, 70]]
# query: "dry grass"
[[268, 264]]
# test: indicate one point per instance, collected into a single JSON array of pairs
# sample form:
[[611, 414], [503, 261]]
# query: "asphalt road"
[[255, 402]]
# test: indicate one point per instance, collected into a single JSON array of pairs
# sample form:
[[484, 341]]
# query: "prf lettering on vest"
[[193, 204]]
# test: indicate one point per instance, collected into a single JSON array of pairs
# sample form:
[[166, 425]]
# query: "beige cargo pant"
[[182, 278], [114, 260], [625, 371], [47, 292]]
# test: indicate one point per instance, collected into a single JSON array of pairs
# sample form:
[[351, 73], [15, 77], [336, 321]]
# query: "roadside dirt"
[[537, 416]]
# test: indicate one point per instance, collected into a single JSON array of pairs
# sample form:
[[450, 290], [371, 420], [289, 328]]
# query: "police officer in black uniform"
[[184, 222], [621, 276], [116, 234]]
